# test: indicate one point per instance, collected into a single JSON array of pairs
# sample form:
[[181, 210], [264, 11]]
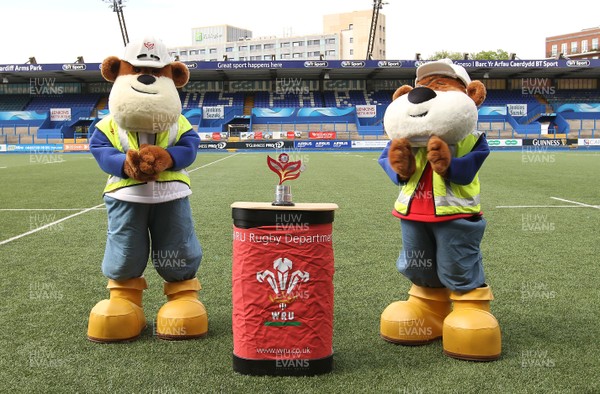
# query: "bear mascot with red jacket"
[[434, 155], [145, 145]]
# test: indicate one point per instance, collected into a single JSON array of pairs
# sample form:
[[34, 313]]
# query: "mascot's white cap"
[[443, 67], [149, 52]]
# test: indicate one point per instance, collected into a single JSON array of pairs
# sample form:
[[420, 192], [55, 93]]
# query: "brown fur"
[[145, 165], [401, 91], [401, 158], [438, 155], [112, 67]]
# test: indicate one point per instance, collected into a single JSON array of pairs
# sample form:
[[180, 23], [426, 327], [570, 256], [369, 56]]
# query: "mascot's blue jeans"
[[176, 252], [443, 254]]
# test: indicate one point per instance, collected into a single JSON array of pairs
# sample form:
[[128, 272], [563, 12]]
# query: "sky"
[[59, 31]]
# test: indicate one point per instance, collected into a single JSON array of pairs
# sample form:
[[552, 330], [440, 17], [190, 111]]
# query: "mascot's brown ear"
[[110, 68], [181, 74], [476, 90], [401, 91]]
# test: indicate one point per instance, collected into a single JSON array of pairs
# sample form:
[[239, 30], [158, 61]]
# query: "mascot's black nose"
[[146, 79], [420, 95]]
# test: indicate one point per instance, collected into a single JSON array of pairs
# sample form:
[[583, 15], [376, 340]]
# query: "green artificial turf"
[[541, 263]]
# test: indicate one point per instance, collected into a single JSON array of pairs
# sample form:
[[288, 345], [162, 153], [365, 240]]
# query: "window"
[[297, 55], [285, 44], [563, 48], [242, 58], [193, 53], [267, 57], [330, 53], [254, 57], [313, 42], [255, 47], [330, 41], [584, 46], [285, 55], [212, 50], [269, 46], [229, 49], [574, 47], [351, 40], [594, 44], [351, 51], [243, 48], [298, 44], [350, 26], [554, 50]]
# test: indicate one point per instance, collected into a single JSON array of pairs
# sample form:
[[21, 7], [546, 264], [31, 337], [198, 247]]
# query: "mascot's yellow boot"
[[418, 320], [121, 317], [183, 316], [471, 332]]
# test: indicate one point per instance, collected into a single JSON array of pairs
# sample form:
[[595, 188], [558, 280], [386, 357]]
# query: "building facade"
[[345, 36], [584, 44], [217, 43], [354, 29]]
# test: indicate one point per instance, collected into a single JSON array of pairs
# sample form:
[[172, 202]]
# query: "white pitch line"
[[35, 230], [538, 206], [213, 162], [44, 209], [575, 202]]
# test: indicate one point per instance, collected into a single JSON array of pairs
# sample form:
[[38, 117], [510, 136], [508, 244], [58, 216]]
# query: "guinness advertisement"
[[550, 142]]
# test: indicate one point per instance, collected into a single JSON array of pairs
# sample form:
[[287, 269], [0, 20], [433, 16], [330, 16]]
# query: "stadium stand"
[[574, 113]]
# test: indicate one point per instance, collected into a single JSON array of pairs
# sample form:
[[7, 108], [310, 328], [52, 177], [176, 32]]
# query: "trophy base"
[[283, 196], [282, 204]]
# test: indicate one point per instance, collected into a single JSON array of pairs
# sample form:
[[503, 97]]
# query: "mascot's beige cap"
[[149, 52], [443, 67]]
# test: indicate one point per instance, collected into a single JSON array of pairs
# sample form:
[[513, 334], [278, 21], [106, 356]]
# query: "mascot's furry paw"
[[401, 158], [154, 159], [439, 155], [132, 167]]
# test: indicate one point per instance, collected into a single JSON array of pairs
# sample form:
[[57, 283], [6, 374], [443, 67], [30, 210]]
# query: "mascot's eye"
[[156, 71], [137, 70]]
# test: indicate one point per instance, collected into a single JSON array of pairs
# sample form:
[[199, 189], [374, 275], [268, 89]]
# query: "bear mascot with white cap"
[[434, 155], [144, 145]]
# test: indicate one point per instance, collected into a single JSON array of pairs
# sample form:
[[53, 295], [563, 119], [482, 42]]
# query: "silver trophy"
[[286, 170]]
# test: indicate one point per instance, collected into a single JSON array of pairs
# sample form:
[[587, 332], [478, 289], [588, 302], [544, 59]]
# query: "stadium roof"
[[315, 69]]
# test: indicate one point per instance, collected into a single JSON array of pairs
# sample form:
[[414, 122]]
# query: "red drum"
[[283, 268]]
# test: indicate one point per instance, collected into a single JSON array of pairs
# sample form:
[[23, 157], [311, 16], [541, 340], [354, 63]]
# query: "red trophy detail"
[[286, 170]]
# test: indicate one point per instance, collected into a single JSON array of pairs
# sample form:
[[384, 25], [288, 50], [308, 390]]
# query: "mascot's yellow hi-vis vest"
[[449, 198], [124, 140]]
